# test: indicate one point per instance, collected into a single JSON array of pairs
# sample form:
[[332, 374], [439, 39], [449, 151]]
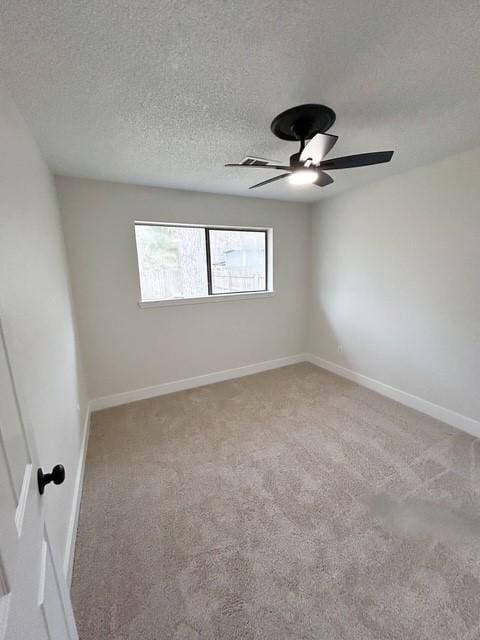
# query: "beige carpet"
[[289, 504]]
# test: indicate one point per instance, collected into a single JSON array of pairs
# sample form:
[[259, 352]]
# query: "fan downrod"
[[303, 122]]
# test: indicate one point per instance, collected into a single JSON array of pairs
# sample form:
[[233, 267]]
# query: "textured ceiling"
[[164, 92]]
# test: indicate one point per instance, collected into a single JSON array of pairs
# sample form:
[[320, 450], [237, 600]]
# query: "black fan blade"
[[323, 179], [359, 160], [259, 166], [261, 184], [318, 147]]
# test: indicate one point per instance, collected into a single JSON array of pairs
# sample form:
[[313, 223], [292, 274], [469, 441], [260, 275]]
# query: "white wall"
[[127, 348], [396, 282], [36, 311]]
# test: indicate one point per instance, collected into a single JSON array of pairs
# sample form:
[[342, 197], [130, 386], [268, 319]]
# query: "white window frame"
[[211, 297]]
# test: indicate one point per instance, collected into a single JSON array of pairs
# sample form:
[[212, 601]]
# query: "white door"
[[34, 599]]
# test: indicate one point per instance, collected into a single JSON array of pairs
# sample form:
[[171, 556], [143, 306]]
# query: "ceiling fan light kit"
[[302, 176], [308, 124]]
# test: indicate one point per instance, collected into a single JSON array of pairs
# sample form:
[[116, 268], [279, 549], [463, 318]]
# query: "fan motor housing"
[[295, 160]]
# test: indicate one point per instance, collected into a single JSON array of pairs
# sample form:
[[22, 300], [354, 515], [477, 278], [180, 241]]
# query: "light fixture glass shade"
[[303, 176]]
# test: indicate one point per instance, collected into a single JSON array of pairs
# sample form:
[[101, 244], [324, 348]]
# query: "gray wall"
[[396, 282], [36, 311], [126, 347], [393, 278]]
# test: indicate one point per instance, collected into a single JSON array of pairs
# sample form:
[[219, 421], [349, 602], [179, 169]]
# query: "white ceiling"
[[164, 92]]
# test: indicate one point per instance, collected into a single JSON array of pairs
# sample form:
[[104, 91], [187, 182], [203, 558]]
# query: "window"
[[178, 262]]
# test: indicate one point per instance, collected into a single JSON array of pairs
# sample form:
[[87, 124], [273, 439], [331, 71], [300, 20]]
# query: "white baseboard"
[[464, 423], [77, 498], [190, 383]]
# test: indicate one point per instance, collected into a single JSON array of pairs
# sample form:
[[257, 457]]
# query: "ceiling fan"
[[307, 124]]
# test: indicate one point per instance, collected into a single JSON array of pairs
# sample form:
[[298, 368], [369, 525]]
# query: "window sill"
[[228, 297]]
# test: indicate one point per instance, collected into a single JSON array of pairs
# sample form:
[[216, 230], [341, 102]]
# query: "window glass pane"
[[238, 260], [171, 261]]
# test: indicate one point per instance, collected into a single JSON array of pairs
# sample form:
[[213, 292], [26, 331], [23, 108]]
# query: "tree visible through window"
[[189, 262]]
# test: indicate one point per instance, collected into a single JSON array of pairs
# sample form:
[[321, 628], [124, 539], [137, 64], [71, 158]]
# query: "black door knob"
[[57, 477]]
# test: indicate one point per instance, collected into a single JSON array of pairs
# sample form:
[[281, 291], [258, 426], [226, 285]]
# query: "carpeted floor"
[[288, 504]]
